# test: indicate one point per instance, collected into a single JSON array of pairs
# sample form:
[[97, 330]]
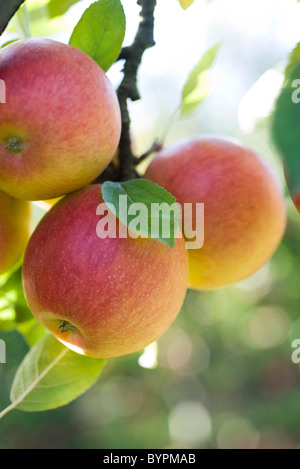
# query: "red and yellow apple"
[[15, 221], [60, 125], [244, 209], [101, 296]]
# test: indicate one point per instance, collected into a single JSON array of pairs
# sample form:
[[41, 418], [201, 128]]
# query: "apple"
[[15, 224], [101, 296], [244, 208], [296, 200], [61, 123]]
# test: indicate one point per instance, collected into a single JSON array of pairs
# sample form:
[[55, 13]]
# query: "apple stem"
[[66, 327], [14, 144]]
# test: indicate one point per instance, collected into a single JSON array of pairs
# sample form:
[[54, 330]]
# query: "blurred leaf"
[[14, 311], [100, 32], [294, 59], [186, 3], [13, 306], [32, 331], [286, 122], [51, 376], [39, 209], [38, 12], [9, 42], [24, 21], [146, 202], [59, 7], [198, 83], [7, 10]]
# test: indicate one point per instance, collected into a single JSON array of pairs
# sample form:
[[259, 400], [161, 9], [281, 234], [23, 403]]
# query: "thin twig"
[[156, 146]]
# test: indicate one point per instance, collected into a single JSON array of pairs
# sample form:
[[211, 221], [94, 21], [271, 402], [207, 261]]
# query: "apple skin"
[[244, 208], [296, 200], [15, 225], [119, 294], [61, 123]]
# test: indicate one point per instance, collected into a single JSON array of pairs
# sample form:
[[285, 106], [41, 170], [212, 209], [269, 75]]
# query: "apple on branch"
[[61, 123], [103, 296], [244, 207]]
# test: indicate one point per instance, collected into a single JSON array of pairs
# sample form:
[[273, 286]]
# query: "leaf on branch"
[[198, 83], [186, 3], [7, 10], [51, 376], [100, 32], [59, 7], [286, 122], [145, 208]]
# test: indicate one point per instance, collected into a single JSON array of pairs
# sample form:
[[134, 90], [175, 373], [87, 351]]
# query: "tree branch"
[[7, 10], [128, 88]]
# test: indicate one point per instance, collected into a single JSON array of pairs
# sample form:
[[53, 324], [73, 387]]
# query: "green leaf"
[[198, 83], [39, 210], [13, 306], [32, 331], [51, 375], [145, 208], [9, 42], [186, 3], [286, 123], [59, 7], [100, 32], [24, 21]]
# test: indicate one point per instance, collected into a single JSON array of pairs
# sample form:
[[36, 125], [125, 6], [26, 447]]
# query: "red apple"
[[15, 220], [296, 200], [60, 125], [244, 209], [102, 297]]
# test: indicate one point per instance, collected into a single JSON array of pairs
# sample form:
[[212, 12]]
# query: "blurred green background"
[[222, 375]]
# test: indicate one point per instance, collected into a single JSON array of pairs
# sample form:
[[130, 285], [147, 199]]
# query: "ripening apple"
[[101, 296], [244, 208], [296, 200], [15, 221], [61, 123]]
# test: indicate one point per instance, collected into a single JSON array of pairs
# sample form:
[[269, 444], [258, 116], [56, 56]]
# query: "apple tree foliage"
[[286, 122], [51, 375]]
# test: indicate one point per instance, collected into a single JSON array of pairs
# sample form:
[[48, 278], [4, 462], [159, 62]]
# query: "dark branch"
[[128, 88], [7, 10]]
